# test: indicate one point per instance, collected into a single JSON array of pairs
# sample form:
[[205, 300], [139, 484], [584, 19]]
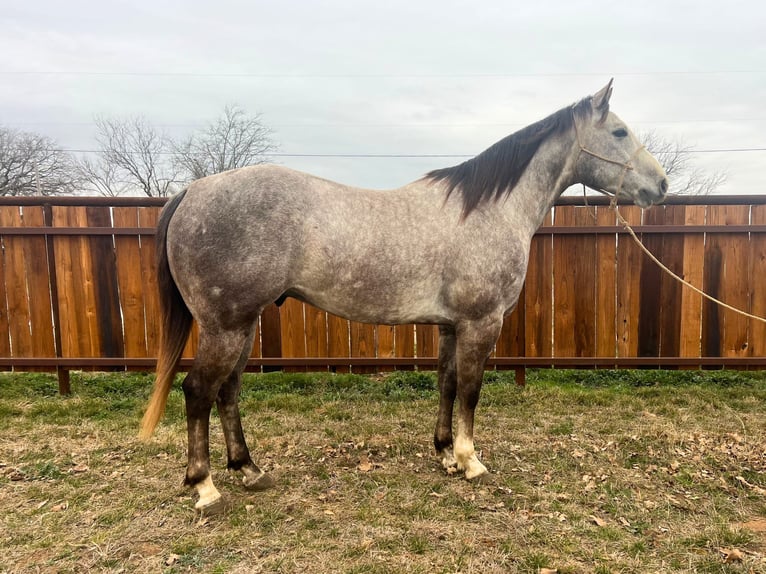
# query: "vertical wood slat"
[[538, 300], [606, 294], [128, 254], [16, 281], [628, 288], [404, 343], [757, 257], [316, 331], [105, 285], [649, 309], [426, 340], [338, 340], [386, 344], [293, 331], [690, 338], [574, 285], [511, 342], [728, 254], [671, 291], [38, 285], [77, 307], [148, 217], [5, 334], [271, 334], [16, 286], [563, 288], [362, 344]]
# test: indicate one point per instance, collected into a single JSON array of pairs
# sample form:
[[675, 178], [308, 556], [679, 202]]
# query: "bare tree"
[[235, 139], [676, 158], [134, 157], [31, 164]]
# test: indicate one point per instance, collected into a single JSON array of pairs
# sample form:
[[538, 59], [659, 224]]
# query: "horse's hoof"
[[449, 462], [477, 472], [261, 482], [210, 507]]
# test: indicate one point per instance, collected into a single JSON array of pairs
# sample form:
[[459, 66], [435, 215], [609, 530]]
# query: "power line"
[[353, 75], [202, 123], [413, 155]]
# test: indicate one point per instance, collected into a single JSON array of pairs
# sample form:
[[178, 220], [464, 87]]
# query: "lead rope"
[[627, 166]]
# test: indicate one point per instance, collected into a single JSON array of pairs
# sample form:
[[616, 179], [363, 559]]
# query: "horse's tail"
[[176, 322]]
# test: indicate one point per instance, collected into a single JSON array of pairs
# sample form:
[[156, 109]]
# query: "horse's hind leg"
[[447, 392], [218, 354], [228, 409]]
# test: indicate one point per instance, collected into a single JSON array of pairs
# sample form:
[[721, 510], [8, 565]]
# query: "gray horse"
[[449, 249]]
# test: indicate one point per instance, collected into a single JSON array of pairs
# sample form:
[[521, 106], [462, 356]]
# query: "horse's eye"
[[620, 133]]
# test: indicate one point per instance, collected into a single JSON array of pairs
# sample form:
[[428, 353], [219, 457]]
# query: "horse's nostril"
[[664, 186]]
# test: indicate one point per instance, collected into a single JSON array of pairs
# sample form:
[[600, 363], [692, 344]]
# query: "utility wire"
[[370, 75], [412, 155]]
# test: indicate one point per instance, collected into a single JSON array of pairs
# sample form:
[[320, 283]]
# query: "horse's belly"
[[374, 307]]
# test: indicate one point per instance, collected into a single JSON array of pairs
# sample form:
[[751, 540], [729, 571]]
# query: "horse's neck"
[[548, 174]]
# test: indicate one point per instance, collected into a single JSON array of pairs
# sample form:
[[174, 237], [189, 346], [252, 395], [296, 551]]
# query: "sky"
[[345, 78]]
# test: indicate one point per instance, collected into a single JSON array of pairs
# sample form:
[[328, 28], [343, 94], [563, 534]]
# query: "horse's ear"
[[601, 98]]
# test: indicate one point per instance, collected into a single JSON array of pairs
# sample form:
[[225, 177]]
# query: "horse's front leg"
[[447, 392], [475, 340]]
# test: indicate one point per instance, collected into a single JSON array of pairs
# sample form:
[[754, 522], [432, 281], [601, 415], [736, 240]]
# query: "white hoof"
[[210, 500], [210, 507], [475, 470]]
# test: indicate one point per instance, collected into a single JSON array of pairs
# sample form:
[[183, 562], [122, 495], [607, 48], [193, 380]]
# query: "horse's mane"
[[495, 172]]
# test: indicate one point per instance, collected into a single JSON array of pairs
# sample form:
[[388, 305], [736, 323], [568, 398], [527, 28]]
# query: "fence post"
[[61, 372]]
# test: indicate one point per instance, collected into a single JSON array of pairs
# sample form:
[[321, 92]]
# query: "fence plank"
[[511, 342], [574, 284], [757, 343], [105, 283], [338, 340], [427, 340], [538, 300], [5, 335], [628, 286], [128, 253], [38, 285], [148, 217], [385, 344], [316, 331], [404, 344], [293, 330], [17, 297], [670, 289], [731, 249], [362, 344], [77, 298], [606, 295], [649, 309], [690, 333], [271, 333]]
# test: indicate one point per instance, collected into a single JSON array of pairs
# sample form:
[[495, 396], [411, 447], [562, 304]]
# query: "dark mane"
[[495, 172]]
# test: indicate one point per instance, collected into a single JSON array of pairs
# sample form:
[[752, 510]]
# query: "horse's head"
[[611, 158]]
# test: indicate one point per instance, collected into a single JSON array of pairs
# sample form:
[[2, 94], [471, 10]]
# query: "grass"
[[591, 471]]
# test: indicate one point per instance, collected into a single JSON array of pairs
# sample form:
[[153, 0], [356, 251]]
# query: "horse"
[[450, 249]]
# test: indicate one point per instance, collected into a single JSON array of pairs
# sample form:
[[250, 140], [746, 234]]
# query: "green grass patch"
[[591, 471]]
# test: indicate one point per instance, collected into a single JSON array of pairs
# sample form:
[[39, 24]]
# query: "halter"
[[626, 166]]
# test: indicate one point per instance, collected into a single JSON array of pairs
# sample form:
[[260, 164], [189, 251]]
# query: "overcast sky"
[[391, 77]]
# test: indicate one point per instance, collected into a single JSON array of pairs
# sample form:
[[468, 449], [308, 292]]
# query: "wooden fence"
[[77, 291]]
